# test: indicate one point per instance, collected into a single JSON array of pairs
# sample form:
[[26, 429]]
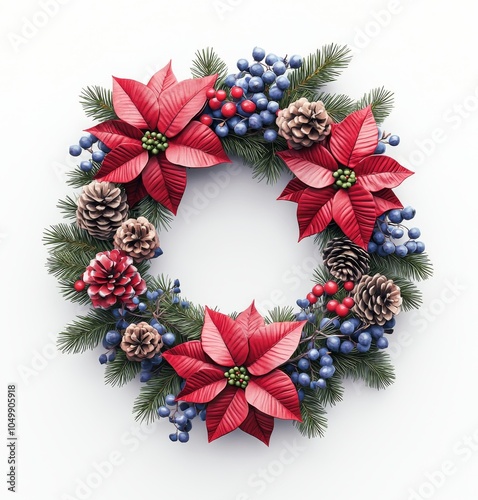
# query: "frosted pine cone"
[[141, 341]]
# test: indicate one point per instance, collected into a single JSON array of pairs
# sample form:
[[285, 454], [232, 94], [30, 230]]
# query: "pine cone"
[[137, 238], [102, 208], [112, 278], [377, 299], [345, 260], [304, 123], [141, 341]]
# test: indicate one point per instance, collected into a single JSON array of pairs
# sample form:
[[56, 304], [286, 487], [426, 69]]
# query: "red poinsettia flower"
[[344, 181], [159, 116], [233, 368]]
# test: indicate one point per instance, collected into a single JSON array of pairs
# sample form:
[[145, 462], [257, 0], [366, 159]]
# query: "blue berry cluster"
[[181, 415], [391, 236], [252, 102], [87, 143], [383, 140]]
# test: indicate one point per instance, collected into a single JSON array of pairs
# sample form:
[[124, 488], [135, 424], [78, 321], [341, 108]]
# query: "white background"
[[416, 440]]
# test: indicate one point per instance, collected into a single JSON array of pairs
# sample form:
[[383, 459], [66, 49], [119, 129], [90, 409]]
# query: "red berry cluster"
[[330, 288], [217, 99]]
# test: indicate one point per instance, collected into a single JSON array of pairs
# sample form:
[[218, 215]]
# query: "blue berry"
[[267, 117], [271, 59], [75, 150], [112, 356], [168, 338], [146, 365], [262, 103], [103, 147], [255, 121], [258, 53], [145, 376], [295, 61], [411, 246], [230, 80], [380, 149], [302, 316], [372, 247], [311, 318], [113, 337], [420, 247], [313, 354], [273, 107], [363, 348], [222, 130], [365, 338], [190, 412], [269, 77], [376, 331], [346, 346], [202, 415], [394, 140], [327, 371], [401, 250], [170, 399], [183, 437], [321, 383], [414, 233], [326, 360], [157, 252], [397, 232], [347, 328], [142, 306], [275, 93], [242, 64], [408, 213], [98, 156], [323, 351], [175, 300], [390, 324], [395, 216], [181, 420], [283, 82], [294, 377], [86, 166], [388, 248], [333, 343], [303, 364], [279, 68], [103, 359], [156, 360], [256, 84], [85, 142], [301, 394], [304, 379], [382, 343], [302, 303], [163, 411], [378, 237], [256, 70], [313, 385], [173, 437], [240, 128], [93, 139], [270, 135]]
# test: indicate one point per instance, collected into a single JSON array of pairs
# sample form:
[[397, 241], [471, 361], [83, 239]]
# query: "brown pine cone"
[[102, 208], [377, 299], [345, 260], [141, 341], [137, 238], [304, 123]]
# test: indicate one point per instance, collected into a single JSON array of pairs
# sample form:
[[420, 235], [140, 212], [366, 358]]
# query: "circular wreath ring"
[[240, 370]]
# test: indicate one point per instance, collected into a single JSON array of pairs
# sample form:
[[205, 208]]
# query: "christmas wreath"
[[194, 362]]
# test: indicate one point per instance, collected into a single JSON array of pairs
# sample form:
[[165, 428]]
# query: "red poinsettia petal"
[[165, 182], [115, 132], [354, 138], [203, 386], [272, 345], [135, 103], [314, 165], [354, 211], [314, 212], [135, 191], [223, 340], [275, 395], [226, 413], [293, 191], [187, 358], [250, 320], [161, 80], [180, 103], [258, 424], [377, 172], [385, 200], [123, 164], [196, 146]]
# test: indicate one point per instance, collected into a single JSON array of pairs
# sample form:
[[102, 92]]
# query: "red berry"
[[332, 305], [221, 95], [228, 109], [341, 310], [210, 93], [248, 106], [318, 290], [331, 288], [215, 103], [349, 286], [79, 285], [206, 119], [311, 298], [348, 302], [237, 92]]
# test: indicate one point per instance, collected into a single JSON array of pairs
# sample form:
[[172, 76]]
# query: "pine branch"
[[208, 63], [373, 367], [333, 393], [158, 215], [313, 414], [321, 274], [97, 103], [71, 238], [415, 266], [319, 68], [152, 394], [411, 295], [338, 106], [121, 370], [68, 208], [86, 332], [270, 166], [381, 101], [331, 231], [77, 178], [280, 314]]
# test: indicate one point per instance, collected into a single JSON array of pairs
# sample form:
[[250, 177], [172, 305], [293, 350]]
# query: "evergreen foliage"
[[97, 103]]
